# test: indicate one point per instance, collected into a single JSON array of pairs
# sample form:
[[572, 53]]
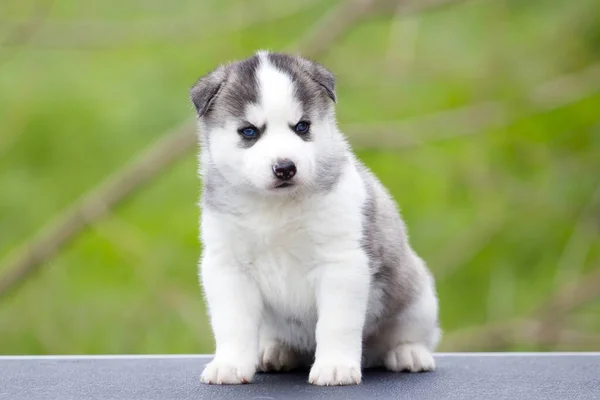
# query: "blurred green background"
[[482, 118]]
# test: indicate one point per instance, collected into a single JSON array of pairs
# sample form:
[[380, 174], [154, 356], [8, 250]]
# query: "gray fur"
[[386, 244], [216, 193], [226, 91], [329, 170], [205, 90]]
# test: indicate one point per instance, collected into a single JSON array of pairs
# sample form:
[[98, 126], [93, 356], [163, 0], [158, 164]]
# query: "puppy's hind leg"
[[412, 337], [275, 355]]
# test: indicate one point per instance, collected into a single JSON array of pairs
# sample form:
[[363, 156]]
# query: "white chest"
[[282, 253]]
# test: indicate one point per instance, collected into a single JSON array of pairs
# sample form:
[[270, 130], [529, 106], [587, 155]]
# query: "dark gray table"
[[494, 376]]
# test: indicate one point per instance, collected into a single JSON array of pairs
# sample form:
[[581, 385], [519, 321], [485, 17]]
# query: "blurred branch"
[[94, 206], [25, 31], [104, 34], [442, 125], [568, 88], [407, 7], [498, 336], [403, 36], [464, 248], [477, 118], [329, 29], [564, 301], [172, 147], [579, 243], [489, 337], [126, 238], [574, 294], [94, 34], [340, 19], [545, 327]]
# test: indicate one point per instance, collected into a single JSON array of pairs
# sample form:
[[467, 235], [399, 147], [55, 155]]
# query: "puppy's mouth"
[[284, 185]]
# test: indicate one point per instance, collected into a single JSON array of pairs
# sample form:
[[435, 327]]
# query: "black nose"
[[284, 170]]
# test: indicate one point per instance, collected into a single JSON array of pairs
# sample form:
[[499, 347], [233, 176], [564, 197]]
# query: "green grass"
[[491, 213]]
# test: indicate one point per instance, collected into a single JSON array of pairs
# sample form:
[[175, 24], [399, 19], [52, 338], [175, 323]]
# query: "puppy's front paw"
[[277, 357], [411, 357], [330, 373], [219, 372]]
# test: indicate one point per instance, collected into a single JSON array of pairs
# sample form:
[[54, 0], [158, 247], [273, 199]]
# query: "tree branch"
[[25, 260], [329, 29]]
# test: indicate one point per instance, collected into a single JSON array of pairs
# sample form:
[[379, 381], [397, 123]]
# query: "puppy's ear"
[[205, 90], [319, 74], [325, 78]]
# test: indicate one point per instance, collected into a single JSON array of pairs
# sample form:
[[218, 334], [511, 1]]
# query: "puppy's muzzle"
[[284, 170]]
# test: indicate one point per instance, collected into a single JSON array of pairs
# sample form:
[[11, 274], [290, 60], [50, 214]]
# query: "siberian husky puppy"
[[306, 261]]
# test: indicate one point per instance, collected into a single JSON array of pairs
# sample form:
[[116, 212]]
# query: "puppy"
[[306, 261]]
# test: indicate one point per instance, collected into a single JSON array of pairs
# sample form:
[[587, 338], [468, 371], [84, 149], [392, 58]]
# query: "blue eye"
[[249, 132], [302, 127]]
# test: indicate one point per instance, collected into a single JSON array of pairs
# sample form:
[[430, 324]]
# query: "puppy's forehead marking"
[[276, 94], [309, 93]]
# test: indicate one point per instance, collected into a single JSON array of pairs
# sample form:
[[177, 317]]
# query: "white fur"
[[282, 257]]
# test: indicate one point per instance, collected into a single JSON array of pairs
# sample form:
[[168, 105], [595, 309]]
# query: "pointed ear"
[[205, 90]]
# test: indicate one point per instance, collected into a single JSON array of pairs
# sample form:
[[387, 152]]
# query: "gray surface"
[[458, 376]]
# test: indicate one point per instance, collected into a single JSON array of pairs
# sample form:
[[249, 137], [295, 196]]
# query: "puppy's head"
[[267, 123]]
